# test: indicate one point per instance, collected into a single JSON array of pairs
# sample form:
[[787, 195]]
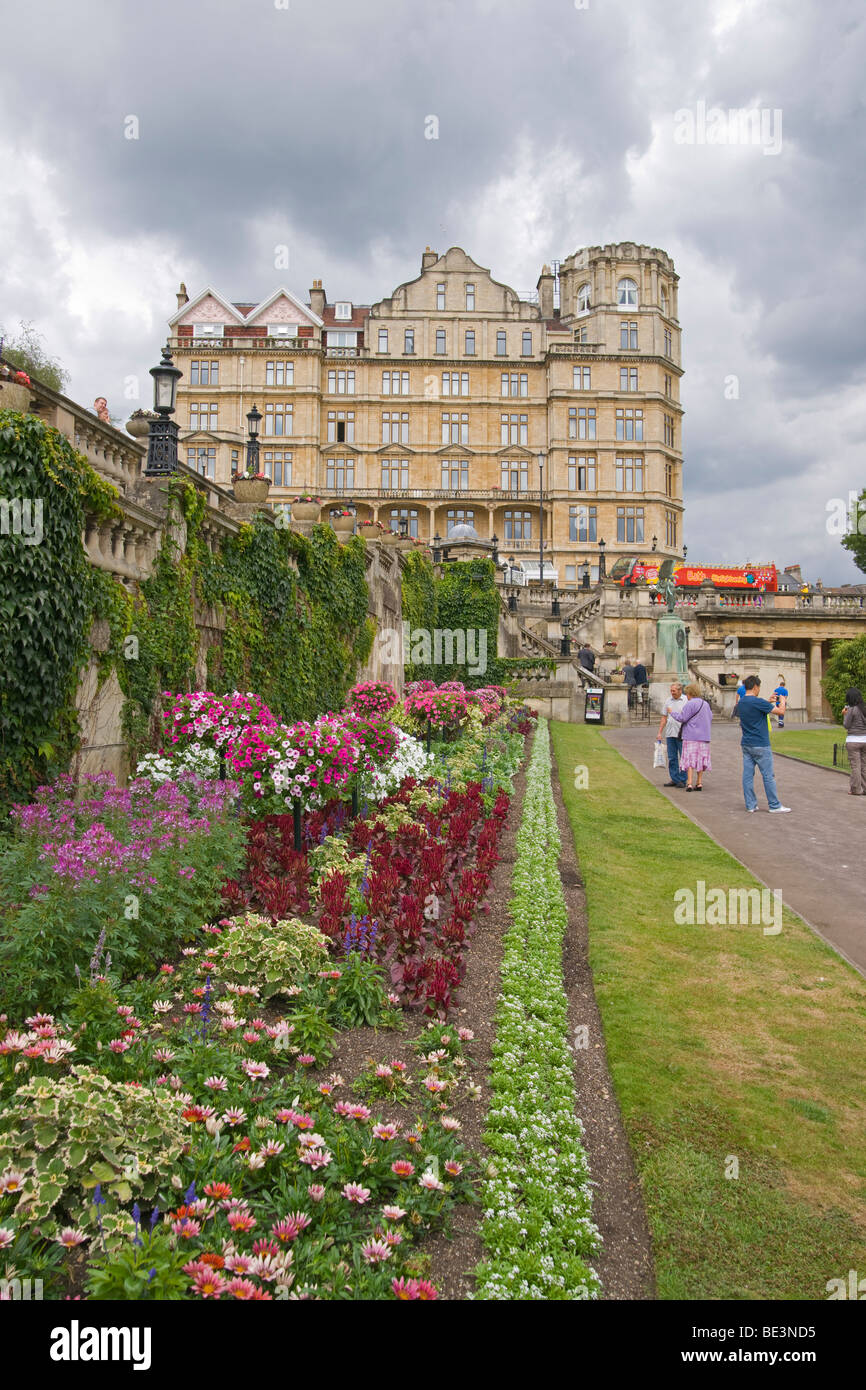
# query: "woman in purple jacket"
[[695, 718]]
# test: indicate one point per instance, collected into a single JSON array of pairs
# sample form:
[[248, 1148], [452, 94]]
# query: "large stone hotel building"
[[434, 405]]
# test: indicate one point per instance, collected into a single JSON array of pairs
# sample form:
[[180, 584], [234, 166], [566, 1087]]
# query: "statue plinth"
[[671, 657]]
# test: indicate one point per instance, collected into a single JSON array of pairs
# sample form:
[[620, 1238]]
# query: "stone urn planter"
[[251, 489], [138, 424], [371, 530], [14, 396], [390, 538], [306, 511], [343, 525]]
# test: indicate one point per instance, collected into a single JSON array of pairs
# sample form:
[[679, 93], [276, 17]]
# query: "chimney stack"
[[182, 297], [545, 292], [429, 258], [317, 298]]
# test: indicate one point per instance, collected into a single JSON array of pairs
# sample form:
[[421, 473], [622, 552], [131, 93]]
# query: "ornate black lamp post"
[[685, 551], [565, 641], [655, 541], [254, 419], [437, 549], [162, 440], [602, 569]]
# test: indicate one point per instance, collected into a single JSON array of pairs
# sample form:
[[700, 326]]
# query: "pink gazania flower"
[[315, 1192], [434, 1085], [234, 1116], [238, 1264], [249, 1037], [197, 1114], [383, 1070], [216, 1083], [285, 1117], [256, 1160], [342, 1107], [307, 1059], [431, 1183], [397, 1065], [453, 1168], [403, 1168], [240, 1220], [325, 1088], [272, 1148], [354, 1192], [166, 970], [71, 1236], [256, 1071], [240, 1288], [386, 1132], [119, 1045], [11, 1181], [375, 1251], [265, 1246], [192, 1008], [393, 1213], [7, 1235], [358, 1112], [229, 1025], [303, 1121], [450, 1122], [315, 1158], [286, 1230], [163, 1054], [209, 1283], [392, 1238], [312, 1141], [186, 1228], [465, 1034], [411, 1289]]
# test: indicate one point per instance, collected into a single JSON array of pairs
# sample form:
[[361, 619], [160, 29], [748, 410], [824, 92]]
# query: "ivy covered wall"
[[273, 611]]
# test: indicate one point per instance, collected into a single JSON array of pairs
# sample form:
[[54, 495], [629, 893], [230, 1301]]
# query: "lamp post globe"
[[162, 439]]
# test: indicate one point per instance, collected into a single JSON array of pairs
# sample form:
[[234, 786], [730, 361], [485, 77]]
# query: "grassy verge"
[[724, 1044], [812, 745]]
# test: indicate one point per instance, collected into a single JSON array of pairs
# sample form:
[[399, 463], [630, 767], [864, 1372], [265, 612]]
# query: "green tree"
[[25, 351], [855, 541], [846, 666]]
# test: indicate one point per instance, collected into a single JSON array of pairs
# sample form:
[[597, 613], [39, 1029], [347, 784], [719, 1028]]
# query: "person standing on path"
[[753, 714], [781, 694], [628, 672], [586, 657], [695, 718], [672, 732], [641, 682], [854, 719]]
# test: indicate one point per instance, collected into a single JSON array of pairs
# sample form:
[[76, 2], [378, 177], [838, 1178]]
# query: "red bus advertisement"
[[760, 577]]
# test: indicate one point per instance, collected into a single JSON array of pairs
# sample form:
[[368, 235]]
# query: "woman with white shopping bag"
[[669, 729]]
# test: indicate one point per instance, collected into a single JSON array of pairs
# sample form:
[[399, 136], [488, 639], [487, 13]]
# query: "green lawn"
[[813, 745], [724, 1043]]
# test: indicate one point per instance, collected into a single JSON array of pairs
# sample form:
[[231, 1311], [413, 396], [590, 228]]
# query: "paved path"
[[816, 855]]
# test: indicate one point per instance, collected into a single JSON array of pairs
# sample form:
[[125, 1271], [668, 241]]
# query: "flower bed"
[[537, 1229], [178, 1134], [122, 872]]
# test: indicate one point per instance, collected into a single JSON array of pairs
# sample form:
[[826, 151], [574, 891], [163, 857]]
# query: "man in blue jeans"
[[672, 732], [753, 713]]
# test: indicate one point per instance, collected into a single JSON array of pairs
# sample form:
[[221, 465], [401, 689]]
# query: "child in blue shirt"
[[781, 694]]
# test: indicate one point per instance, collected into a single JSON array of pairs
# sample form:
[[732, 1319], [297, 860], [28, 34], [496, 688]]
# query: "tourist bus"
[[761, 578]]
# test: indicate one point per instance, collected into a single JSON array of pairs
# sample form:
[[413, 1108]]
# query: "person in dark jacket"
[[854, 719], [586, 657]]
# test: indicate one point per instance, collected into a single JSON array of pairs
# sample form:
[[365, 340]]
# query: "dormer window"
[[626, 294], [282, 330], [207, 330], [343, 309], [583, 299]]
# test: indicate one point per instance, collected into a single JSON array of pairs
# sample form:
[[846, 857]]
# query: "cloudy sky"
[[263, 123]]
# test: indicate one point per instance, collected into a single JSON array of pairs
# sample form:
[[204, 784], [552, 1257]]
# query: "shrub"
[[274, 956], [86, 1145], [371, 697]]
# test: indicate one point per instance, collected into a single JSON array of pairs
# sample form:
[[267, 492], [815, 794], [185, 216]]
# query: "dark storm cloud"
[[261, 125]]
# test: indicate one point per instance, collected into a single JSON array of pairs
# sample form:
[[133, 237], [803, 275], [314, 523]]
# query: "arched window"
[[583, 299], [663, 298], [626, 294]]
